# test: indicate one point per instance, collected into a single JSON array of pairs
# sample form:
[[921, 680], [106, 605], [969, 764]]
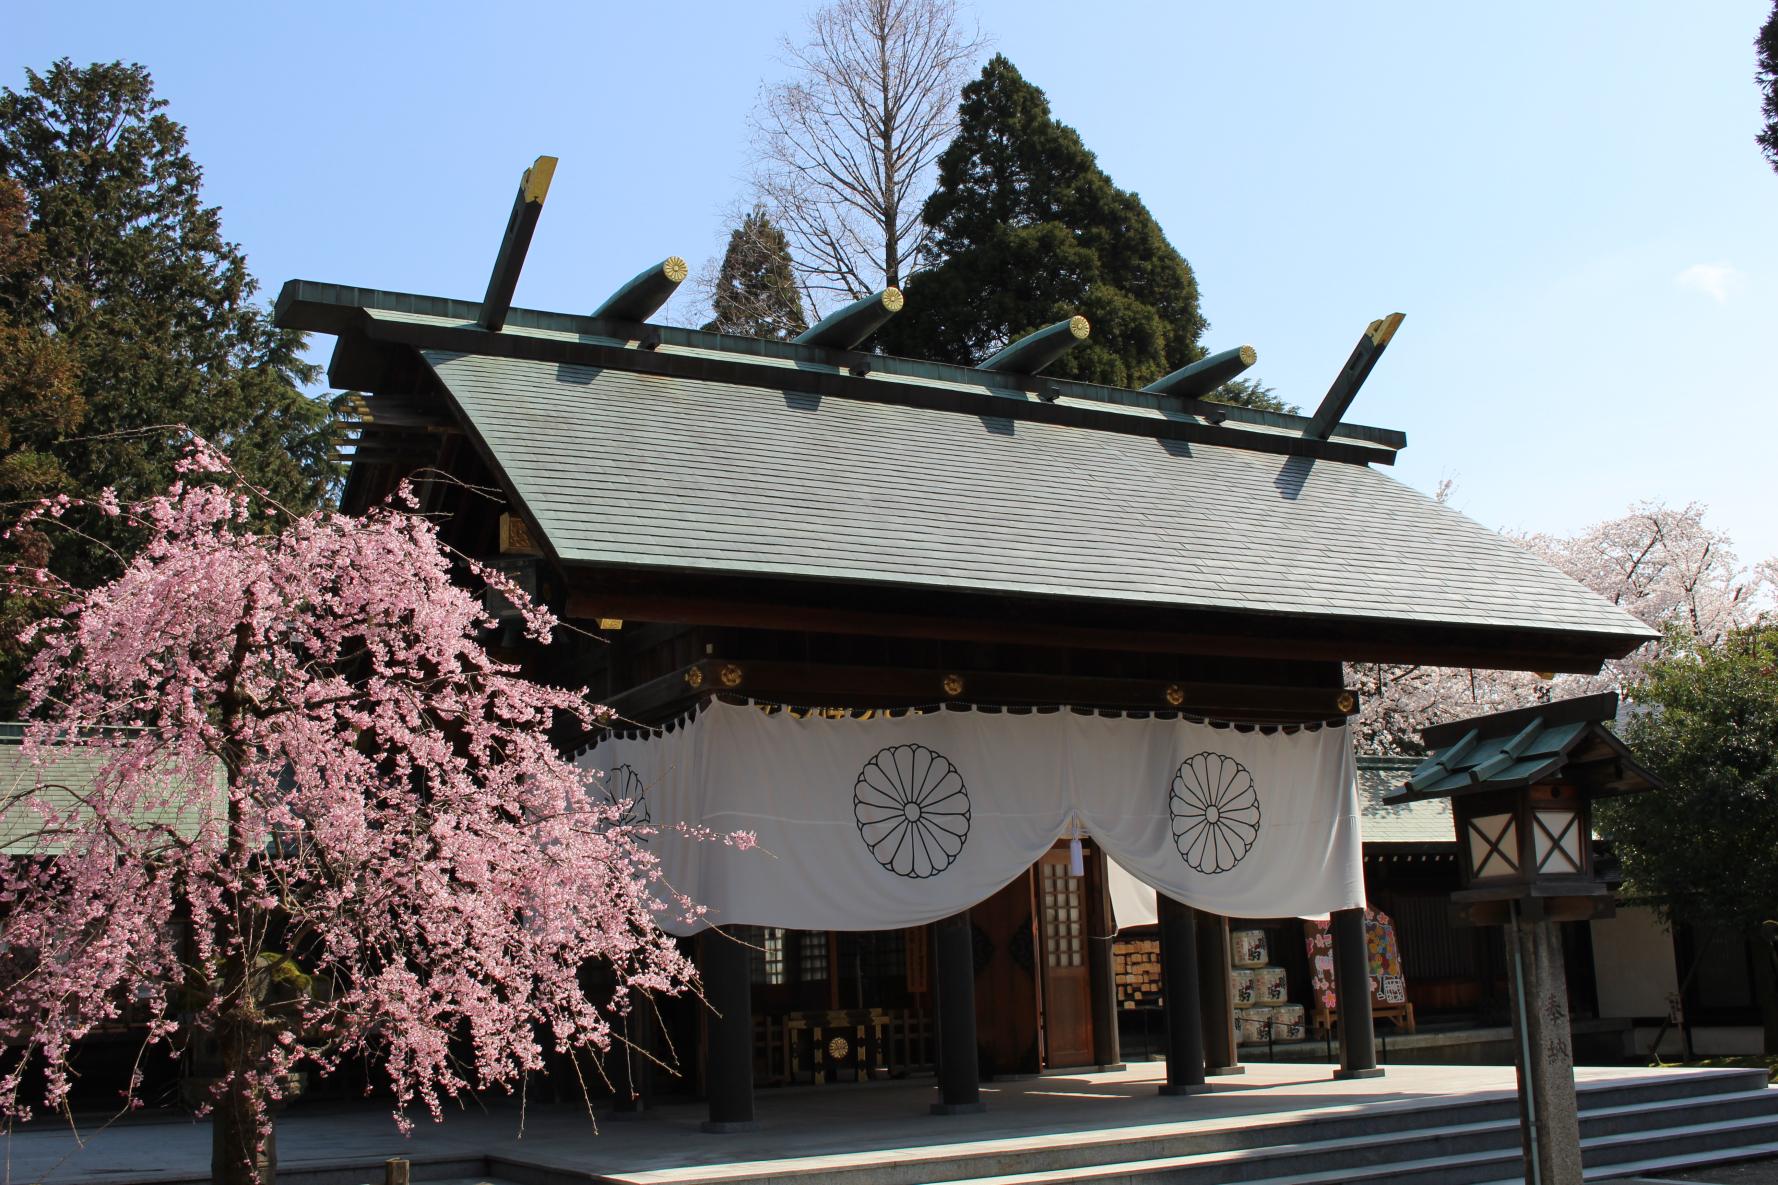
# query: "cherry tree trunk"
[[238, 1154]]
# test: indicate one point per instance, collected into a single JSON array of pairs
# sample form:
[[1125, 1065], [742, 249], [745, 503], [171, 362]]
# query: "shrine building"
[[954, 641]]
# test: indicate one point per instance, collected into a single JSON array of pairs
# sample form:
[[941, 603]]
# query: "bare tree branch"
[[845, 150]]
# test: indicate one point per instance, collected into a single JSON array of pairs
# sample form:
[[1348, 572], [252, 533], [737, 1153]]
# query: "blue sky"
[[1564, 199]]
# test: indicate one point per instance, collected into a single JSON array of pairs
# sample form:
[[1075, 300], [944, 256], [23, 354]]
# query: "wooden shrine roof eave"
[[352, 315], [949, 614]]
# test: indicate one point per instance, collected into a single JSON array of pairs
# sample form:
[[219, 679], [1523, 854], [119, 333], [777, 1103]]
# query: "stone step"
[[1410, 1142], [1453, 1127], [1606, 1121], [1449, 1154]]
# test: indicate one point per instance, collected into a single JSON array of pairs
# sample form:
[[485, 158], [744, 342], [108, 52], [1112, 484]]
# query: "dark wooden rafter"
[[1358, 367], [1031, 353], [644, 293], [526, 208], [848, 686], [1206, 374]]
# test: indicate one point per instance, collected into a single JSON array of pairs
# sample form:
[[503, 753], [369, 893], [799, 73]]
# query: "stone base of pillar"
[[1223, 1071], [957, 1108], [1367, 1072], [1178, 1088]]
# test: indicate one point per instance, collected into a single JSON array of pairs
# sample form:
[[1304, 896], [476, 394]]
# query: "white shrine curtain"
[[892, 821]]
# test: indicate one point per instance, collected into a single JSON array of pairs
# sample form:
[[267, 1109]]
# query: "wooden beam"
[[643, 295], [1115, 628], [526, 207], [1358, 368], [1035, 351], [832, 685], [1206, 374], [844, 329]]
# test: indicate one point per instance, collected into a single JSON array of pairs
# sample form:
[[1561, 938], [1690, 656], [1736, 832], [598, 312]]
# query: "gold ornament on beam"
[[730, 674], [694, 678], [953, 685], [1175, 694]]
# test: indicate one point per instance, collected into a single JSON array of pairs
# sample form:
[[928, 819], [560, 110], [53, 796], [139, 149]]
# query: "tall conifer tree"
[[123, 313], [1027, 231], [1766, 74], [755, 293]]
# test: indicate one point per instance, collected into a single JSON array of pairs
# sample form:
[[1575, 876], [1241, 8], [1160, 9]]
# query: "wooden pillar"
[[959, 1073], [1216, 997], [1544, 1052], [1102, 934], [728, 1088], [1352, 991], [1179, 991]]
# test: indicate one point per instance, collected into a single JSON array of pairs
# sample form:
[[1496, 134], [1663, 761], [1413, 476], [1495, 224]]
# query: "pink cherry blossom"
[[326, 822], [1665, 567]]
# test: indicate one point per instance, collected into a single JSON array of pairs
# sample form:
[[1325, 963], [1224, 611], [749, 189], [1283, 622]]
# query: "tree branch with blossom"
[[379, 851]]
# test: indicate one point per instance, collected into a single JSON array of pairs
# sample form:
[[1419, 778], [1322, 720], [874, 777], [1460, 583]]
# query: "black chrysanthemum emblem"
[[1215, 811], [623, 786], [912, 810]]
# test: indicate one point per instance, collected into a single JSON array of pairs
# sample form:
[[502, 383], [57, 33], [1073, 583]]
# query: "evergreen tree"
[[1766, 74], [39, 389], [1700, 850], [755, 292], [124, 313], [1246, 392], [1028, 230], [40, 401]]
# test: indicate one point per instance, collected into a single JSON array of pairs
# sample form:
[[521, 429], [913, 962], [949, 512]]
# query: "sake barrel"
[[1248, 948], [1243, 988], [1270, 985], [1289, 1023]]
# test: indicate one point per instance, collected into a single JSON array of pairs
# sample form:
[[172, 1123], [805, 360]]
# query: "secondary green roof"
[[60, 783], [1562, 741], [1381, 821]]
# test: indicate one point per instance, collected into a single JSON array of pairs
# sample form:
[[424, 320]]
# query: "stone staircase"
[[1627, 1128]]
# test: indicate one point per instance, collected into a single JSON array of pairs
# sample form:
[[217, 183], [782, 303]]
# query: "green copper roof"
[[1383, 821], [1566, 740], [59, 783], [1473, 764], [668, 473], [659, 449]]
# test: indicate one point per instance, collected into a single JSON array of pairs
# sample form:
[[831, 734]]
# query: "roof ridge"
[[327, 308]]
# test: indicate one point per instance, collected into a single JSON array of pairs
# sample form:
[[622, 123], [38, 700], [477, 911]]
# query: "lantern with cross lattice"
[[1521, 786]]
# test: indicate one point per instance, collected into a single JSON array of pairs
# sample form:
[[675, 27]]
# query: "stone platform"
[[1274, 1123]]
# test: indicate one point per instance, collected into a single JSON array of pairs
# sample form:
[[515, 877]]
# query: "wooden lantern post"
[[1521, 786]]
